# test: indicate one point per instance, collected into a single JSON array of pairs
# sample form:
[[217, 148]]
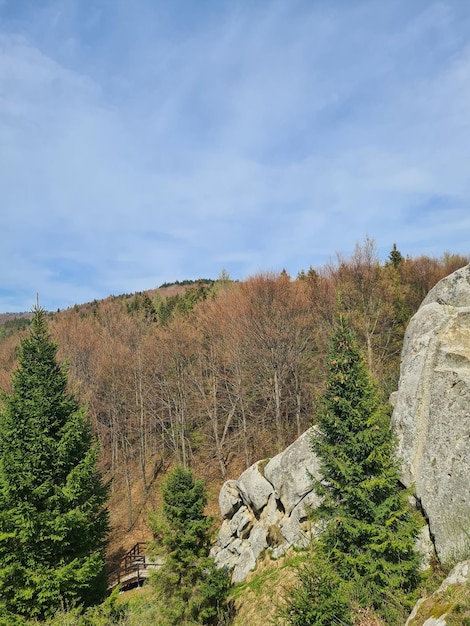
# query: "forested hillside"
[[214, 375]]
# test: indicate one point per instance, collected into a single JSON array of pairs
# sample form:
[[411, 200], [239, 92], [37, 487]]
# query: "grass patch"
[[262, 464], [454, 602], [258, 597]]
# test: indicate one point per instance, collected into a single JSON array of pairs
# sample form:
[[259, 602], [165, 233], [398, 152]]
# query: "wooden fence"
[[133, 569]]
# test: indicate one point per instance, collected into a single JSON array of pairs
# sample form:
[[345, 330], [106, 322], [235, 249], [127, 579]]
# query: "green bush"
[[320, 597]]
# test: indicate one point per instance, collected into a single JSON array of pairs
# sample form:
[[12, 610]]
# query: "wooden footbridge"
[[133, 569]]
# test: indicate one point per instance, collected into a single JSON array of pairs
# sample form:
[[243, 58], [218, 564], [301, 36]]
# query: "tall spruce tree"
[[192, 589], [369, 530], [53, 516]]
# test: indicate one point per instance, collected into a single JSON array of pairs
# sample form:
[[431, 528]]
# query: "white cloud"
[[144, 143]]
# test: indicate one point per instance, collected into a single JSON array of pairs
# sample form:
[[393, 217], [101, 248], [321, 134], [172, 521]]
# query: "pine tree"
[[192, 589], [371, 531], [53, 520], [368, 528], [395, 258]]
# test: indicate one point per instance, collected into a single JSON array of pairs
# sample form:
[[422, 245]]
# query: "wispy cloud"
[[145, 142]]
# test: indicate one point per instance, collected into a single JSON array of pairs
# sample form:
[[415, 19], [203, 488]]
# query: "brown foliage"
[[234, 378]]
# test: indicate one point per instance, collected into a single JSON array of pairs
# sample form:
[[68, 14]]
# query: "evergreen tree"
[[53, 520], [320, 597], [369, 530], [395, 258], [192, 589]]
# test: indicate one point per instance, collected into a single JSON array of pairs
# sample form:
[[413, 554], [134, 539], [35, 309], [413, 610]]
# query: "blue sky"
[[144, 141]]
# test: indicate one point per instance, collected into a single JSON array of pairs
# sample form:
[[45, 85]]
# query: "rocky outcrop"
[[452, 597], [431, 417], [267, 508]]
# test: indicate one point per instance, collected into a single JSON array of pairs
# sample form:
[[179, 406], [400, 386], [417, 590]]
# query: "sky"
[[149, 141]]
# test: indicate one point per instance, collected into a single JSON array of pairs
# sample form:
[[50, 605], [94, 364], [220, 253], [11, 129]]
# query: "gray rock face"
[[229, 499], [254, 488], [454, 290], [267, 508], [287, 472], [431, 416]]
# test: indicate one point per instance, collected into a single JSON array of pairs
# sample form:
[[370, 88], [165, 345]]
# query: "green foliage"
[[369, 530], [192, 589], [53, 521], [141, 304], [453, 601], [204, 281], [183, 303], [395, 258], [319, 598], [111, 612], [15, 325]]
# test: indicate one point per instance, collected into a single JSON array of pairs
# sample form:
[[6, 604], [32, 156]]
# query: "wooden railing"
[[133, 569]]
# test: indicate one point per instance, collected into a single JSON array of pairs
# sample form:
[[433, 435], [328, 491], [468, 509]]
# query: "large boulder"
[[254, 488], [291, 471], [431, 416], [230, 499], [267, 508]]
